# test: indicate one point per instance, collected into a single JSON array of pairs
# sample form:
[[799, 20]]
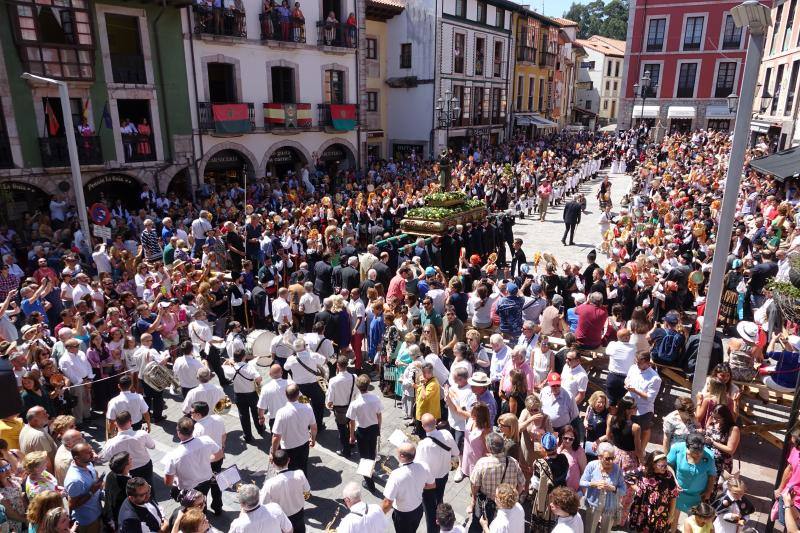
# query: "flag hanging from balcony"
[[52, 121], [288, 115], [343, 116], [231, 118]]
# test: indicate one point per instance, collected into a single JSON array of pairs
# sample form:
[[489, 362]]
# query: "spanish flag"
[[288, 115]]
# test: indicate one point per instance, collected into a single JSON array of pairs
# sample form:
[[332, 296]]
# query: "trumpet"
[[223, 406]]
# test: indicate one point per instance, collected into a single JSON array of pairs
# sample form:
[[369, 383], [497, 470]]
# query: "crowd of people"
[[535, 383]]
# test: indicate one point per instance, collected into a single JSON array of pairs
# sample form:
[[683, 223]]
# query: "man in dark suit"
[[350, 276], [323, 276], [382, 268], [138, 510], [572, 217]]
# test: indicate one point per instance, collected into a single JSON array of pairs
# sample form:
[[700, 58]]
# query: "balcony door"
[[54, 116], [136, 130], [336, 7], [125, 48], [282, 85], [221, 83]]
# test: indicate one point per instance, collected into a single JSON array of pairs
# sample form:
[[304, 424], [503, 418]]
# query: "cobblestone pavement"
[[328, 472]]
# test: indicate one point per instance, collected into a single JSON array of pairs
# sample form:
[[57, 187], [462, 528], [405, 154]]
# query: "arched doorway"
[[18, 198], [179, 184], [227, 167], [335, 158], [109, 188], [285, 159]]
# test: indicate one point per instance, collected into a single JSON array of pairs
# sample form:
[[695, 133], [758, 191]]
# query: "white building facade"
[[295, 74], [600, 77]]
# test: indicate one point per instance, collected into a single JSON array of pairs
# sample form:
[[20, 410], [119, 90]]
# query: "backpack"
[[669, 349]]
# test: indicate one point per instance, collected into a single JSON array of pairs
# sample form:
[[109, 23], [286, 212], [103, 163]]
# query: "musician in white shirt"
[[200, 331], [436, 451], [365, 416], [245, 380], [273, 396], [287, 488], [303, 367], [188, 466], [211, 426], [186, 367], [510, 516], [309, 306], [143, 355], [341, 391], [257, 518], [136, 443], [403, 491], [317, 342], [282, 345], [74, 365], [132, 402], [295, 429], [363, 517], [205, 392], [281, 312]]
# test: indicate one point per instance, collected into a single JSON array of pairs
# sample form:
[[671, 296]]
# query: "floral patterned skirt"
[[628, 462]]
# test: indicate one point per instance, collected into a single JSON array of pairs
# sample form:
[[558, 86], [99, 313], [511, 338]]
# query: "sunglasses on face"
[[568, 439]]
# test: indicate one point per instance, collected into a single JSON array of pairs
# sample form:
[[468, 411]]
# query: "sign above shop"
[[111, 179]]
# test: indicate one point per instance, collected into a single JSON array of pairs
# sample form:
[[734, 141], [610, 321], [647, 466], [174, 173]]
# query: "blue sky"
[[552, 8]]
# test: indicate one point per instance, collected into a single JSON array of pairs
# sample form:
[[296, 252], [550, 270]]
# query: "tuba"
[[223, 406], [158, 377]]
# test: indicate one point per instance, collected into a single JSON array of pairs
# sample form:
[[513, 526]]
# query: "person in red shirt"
[[592, 317], [45, 271]]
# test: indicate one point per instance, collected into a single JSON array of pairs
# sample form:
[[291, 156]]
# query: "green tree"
[[600, 18]]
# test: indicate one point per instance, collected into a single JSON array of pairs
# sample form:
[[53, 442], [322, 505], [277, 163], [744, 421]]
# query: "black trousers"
[[185, 391], [215, 364], [569, 229], [298, 458], [344, 435], [367, 442], [314, 393], [154, 399], [615, 387], [431, 498], [407, 522], [211, 485], [246, 404], [145, 472], [298, 522]]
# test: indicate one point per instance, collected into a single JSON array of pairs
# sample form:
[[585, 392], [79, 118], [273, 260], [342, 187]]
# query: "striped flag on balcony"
[[231, 118], [288, 115], [343, 116]]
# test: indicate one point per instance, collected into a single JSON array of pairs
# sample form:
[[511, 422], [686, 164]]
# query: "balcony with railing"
[[275, 27], [279, 116], [336, 34], [6, 159], [327, 120], [222, 22], [547, 59], [205, 115], [128, 69], [138, 148], [55, 154], [526, 54]]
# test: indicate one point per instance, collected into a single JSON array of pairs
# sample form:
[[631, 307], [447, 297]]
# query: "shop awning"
[[648, 111], [780, 165], [718, 111], [609, 127], [679, 111], [759, 126], [542, 122], [523, 120]]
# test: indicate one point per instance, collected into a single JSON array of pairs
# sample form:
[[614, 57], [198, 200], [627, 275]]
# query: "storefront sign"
[[334, 153], [101, 232], [377, 134], [225, 159], [19, 187], [282, 156], [403, 150], [111, 179]]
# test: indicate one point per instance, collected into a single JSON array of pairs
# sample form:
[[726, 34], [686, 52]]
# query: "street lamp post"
[[447, 112], [756, 17], [72, 150], [640, 90]]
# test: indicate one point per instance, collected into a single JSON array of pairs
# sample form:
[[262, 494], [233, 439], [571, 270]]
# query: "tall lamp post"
[[641, 89], [756, 17], [447, 112], [72, 150]]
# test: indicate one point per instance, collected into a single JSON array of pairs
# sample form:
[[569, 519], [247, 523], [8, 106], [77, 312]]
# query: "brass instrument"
[[223, 406], [454, 464], [386, 468], [303, 399], [158, 376], [329, 526], [306, 495]]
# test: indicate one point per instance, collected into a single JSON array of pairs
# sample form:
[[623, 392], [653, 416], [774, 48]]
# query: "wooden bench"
[[756, 391], [673, 374]]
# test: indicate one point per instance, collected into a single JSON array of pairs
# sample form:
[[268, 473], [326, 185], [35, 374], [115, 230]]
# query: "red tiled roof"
[[604, 45], [565, 22], [390, 3]]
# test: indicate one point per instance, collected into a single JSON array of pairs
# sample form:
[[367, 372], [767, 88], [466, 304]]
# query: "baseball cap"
[[512, 288], [553, 378], [672, 318], [549, 441], [536, 288], [430, 271]]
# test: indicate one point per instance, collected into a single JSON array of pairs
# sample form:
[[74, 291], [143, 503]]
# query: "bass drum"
[[258, 346]]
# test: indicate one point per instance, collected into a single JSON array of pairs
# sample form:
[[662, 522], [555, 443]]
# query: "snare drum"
[[258, 345]]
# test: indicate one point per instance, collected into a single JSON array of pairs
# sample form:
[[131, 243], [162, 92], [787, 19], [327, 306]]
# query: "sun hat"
[[479, 379], [747, 330]]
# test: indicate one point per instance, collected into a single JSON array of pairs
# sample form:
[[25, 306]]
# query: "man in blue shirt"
[[83, 486], [33, 300], [149, 322], [786, 351]]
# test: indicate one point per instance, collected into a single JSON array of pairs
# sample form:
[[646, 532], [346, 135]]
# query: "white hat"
[[794, 340], [747, 330], [479, 379]]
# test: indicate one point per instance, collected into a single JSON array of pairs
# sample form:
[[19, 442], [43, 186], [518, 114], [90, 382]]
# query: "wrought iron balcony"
[[205, 115], [226, 22], [138, 148], [6, 160], [278, 116], [55, 154], [526, 54], [292, 30], [324, 115], [128, 69], [336, 34], [547, 59]]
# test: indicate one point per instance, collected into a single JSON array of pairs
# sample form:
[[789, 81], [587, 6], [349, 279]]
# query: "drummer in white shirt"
[[245, 381], [287, 488], [303, 367], [436, 451], [341, 392], [273, 396], [257, 518], [131, 402], [281, 346], [186, 367], [213, 427], [295, 429], [205, 392], [363, 517]]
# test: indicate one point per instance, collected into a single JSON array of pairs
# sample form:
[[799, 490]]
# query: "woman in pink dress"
[[568, 445], [478, 426]]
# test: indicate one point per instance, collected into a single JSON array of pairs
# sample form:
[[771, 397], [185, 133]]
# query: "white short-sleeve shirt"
[[292, 423], [190, 461]]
